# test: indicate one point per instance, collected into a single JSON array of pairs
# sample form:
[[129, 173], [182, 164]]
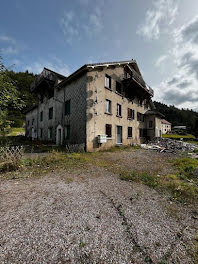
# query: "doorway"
[[59, 135], [118, 134]]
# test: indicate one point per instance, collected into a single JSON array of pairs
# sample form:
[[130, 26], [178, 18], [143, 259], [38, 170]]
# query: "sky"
[[63, 35]]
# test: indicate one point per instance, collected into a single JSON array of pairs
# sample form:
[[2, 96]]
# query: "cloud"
[[9, 50], [182, 88], [158, 18], [86, 24], [4, 38], [54, 64], [160, 60]]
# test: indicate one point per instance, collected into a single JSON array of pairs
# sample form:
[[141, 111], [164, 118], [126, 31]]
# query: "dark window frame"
[[119, 110], [68, 107], [130, 132], [41, 116], [118, 87], [51, 113], [68, 134], [110, 106], [108, 130], [110, 82]]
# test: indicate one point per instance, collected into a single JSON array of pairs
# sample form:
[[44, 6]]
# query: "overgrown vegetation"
[[175, 136]]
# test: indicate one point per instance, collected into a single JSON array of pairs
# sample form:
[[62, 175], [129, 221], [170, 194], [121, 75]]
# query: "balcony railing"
[[134, 75]]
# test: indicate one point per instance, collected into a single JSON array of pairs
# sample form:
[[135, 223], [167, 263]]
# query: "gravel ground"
[[92, 217]]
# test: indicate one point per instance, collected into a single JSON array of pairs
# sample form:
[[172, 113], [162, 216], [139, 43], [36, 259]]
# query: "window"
[[129, 132], [131, 114], [108, 107], [28, 122], [140, 117], [41, 132], [50, 113], [107, 81], [108, 130], [41, 116], [141, 132], [67, 107], [139, 102], [50, 133], [119, 110], [118, 87], [150, 124], [51, 93], [33, 121], [67, 132]]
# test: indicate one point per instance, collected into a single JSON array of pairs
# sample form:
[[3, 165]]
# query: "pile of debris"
[[169, 145]]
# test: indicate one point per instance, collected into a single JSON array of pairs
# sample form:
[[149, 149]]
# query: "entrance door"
[[118, 135]]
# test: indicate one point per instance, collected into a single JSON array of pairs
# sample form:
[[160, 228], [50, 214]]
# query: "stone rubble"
[[170, 146]]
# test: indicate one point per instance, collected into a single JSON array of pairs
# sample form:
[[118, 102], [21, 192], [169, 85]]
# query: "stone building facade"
[[99, 105], [166, 126]]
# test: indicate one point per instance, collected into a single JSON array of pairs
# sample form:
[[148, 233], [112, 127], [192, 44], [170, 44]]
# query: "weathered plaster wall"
[[97, 119]]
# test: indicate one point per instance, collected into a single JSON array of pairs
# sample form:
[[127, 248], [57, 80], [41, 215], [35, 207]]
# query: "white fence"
[[11, 152]]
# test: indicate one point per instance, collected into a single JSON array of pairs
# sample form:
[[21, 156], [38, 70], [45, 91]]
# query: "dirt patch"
[[93, 218]]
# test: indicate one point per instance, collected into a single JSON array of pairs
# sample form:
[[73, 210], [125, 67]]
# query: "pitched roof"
[[154, 112], [60, 75], [93, 65], [163, 121]]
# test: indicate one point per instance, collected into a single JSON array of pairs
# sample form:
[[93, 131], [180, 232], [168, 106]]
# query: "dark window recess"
[[140, 117], [32, 121], [67, 132], [50, 133], [131, 114], [107, 81], [144, 132], [41, 132], [50, 113], [67, 107], [150, 124], [130, 134], [118, 87], [41, 116], [109, 130], [141, 132], [51, 93], [28, 122], [119, 110]]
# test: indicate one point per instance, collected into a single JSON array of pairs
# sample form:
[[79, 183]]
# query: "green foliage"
[[179, 117], [174, 136]]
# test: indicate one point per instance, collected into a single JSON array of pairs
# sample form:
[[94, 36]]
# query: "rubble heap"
[[169, 145]]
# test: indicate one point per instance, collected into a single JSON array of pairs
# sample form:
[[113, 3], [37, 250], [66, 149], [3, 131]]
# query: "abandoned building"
[[166, 126], [99, 105]]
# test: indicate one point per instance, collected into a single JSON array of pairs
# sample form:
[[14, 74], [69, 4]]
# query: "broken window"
[[41, 132], [140, 117], [109, 130], [119, 110], [130, 134], [50, 113], [108, 107], [107, 81], [118, 87], [67, 107], [33, 121]]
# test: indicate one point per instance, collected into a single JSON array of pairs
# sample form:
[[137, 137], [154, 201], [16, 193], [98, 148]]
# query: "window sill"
[[109, 138], [130, 119], [108, 88], [129, 137], [119, 116], [119, 94], [108, 113]]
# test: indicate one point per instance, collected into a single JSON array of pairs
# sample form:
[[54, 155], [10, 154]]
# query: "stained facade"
[[99, 105]]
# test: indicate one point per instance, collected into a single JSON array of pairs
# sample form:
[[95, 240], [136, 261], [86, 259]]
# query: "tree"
[[9, 96]]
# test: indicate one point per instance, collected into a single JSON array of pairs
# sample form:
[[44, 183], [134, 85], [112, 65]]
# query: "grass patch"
[[175, 136]]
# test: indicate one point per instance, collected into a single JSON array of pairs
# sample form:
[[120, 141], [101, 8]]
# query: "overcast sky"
[[162, 35]]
